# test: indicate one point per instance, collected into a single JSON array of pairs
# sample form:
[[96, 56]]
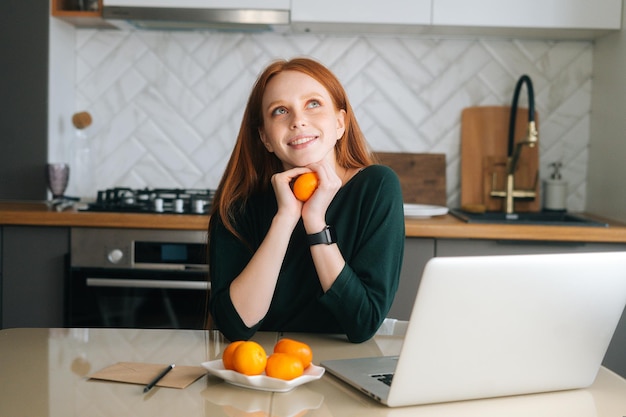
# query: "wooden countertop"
[[452, 228], [33, 213]]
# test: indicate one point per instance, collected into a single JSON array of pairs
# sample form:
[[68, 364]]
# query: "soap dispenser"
[[555, 190]]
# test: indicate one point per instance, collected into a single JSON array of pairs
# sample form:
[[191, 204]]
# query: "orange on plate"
[[227, 356], [305, 185], [295, 348], [249, 358], [283, 366]]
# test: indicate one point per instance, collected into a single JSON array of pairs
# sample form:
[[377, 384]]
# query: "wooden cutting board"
[[422, 176], [484, 148]]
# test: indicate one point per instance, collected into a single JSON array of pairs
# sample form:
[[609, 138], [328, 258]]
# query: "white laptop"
[[492, 326]]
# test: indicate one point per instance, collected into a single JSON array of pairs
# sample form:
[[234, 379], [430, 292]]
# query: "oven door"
[[136, 298]]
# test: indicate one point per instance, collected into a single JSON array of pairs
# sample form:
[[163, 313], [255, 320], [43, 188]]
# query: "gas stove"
[[170, 201]]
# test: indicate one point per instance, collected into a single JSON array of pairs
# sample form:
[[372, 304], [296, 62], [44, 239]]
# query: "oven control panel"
[[115, 256], [138, 249]]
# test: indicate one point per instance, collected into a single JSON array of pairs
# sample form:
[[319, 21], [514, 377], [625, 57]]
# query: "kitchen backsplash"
[[167, 105]]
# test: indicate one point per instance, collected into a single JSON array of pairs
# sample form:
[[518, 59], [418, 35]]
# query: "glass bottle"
[[83, 164]]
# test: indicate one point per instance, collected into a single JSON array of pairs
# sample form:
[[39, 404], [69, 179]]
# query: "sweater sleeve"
[[227, 258], [363, 292]]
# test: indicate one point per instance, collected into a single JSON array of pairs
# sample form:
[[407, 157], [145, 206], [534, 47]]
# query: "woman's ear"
[[341, 123], [267, 144]]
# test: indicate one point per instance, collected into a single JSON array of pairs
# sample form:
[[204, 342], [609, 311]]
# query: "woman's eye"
[[313, 103], [278, 111]]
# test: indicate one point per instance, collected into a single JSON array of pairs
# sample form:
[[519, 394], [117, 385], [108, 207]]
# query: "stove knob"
[[115, 256], [178, 205], [158, 205], [198, 206]]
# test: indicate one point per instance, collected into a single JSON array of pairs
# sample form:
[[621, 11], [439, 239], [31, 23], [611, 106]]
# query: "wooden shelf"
[[67, 10]]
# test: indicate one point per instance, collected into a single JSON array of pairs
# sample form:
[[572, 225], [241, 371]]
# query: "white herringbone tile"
[[167, 105]]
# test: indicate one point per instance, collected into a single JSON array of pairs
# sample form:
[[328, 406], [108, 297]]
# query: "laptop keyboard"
[[384, 378]]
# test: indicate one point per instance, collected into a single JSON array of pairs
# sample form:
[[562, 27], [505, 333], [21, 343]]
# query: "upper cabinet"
[[543, 14], [80, 13], [530, 18], [355, 15]]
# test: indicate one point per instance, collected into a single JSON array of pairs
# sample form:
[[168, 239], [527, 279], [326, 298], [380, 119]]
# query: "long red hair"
[[251, 166]]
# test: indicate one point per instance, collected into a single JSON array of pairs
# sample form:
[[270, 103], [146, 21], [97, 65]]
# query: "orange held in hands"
[[305, 185], [249, 358], [283, 366], [295, 348]]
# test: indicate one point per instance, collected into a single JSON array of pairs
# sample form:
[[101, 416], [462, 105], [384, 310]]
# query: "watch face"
[[326, 236], [332, 237]]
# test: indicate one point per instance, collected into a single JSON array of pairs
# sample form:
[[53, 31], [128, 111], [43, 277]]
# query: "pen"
[[158, 378]]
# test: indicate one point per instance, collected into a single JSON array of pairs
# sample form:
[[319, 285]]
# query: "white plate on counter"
[[423, 211], [262, 382]]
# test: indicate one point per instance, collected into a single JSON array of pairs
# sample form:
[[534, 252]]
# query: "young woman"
[[327, 265]]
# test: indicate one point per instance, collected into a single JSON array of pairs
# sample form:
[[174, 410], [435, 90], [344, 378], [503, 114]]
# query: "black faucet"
[[531, 110]]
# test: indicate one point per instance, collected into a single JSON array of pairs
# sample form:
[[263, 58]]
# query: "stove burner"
[[176, 201]]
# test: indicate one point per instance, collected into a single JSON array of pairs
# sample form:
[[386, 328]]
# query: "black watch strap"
[[326, 236]]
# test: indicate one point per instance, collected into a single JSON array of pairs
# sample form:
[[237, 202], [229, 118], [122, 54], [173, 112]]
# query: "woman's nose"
[[297, 119]]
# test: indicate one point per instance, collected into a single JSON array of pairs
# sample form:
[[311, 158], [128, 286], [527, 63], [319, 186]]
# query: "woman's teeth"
[[301, 141]]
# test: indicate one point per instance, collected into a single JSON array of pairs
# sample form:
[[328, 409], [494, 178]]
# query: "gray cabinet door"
[[417, 251], [33, 275], [478, 247]]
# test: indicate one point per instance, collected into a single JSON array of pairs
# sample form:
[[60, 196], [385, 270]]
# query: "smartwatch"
[[326, 236]]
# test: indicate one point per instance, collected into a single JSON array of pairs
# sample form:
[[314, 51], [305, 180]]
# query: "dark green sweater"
[[368, 217]]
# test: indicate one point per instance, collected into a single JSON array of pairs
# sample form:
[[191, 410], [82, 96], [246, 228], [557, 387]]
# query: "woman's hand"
[[314, 210], [328, 260], [288, 204]]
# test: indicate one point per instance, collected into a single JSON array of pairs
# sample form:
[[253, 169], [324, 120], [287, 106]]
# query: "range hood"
[[236, 15]]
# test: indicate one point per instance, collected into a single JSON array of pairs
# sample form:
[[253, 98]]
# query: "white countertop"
[[44, 373]]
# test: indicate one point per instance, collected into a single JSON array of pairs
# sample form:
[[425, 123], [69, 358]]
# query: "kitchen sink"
[[541, 218]]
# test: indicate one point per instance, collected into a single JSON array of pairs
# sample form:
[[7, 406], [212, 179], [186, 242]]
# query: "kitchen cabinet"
[[34, 266], [351, 13], [547, 18], [69, 11], [417, 252], [606, 188], [24, 87], [61, 8], [479, 247], [557, 18], [546, 14]]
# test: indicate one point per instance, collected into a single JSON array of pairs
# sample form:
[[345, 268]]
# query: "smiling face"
[[300, 122]]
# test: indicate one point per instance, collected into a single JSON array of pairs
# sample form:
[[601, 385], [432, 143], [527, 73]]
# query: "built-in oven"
[[137, 278]]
